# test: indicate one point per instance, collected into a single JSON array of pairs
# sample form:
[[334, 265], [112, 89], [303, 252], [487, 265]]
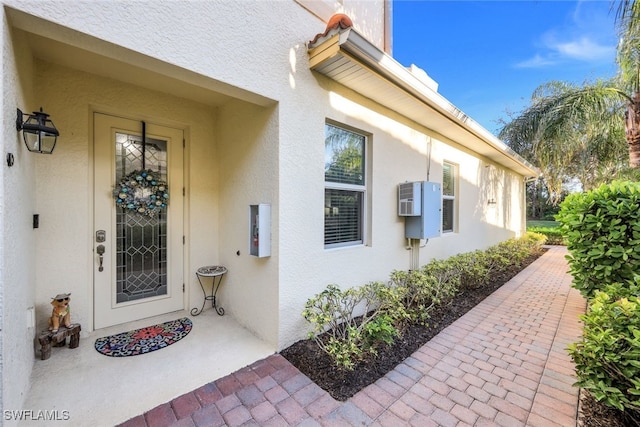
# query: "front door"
[[138, 218]]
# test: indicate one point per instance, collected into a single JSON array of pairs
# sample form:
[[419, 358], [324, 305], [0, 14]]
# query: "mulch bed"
[[342, 384], [596, 414]]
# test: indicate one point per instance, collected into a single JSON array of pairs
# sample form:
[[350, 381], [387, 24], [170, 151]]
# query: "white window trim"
[[454, 216], [364, 189]]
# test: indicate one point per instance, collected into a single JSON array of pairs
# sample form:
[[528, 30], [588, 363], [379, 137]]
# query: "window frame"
[[450, 197], [362, 189]]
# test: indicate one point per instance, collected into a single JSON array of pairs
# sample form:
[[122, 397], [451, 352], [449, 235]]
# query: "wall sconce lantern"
[[38, 131]]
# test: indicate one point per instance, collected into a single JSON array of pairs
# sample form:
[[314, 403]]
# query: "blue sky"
[[489, 56]]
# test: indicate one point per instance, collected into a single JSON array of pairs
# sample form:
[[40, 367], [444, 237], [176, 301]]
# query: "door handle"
[[100, 251]]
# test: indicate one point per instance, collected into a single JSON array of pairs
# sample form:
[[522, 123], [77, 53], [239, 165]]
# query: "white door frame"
[[107, 311]]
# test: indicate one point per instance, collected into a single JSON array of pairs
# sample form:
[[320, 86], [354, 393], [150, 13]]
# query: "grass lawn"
[[543, 224]]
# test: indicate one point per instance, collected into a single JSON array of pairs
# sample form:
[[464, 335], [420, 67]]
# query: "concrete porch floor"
[[98, 390]]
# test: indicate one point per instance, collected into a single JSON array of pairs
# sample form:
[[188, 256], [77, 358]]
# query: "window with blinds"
[[344, 175], [448, 197]]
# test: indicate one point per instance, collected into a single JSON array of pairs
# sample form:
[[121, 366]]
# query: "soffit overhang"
[[346, 57]]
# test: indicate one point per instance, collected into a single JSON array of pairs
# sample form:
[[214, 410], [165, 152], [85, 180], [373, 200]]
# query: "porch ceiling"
[[348, 58], [73, 57]]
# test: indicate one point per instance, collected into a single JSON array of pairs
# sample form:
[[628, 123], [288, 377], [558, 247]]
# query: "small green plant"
[[340, 332], [533, 241], [422, 290], [509, 252], [473, 268], [414, 289], [603, 235], [496, 261], [607, 358], [446, 276], [380, 329]]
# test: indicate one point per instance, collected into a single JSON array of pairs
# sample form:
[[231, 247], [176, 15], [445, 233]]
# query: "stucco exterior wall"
[[399, 152], [370, 18], [17, 204], [248, 165], [263, 144]]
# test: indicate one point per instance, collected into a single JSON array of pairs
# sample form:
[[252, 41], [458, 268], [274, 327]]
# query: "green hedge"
[[607, 358], [554, 235], [603, 239], [603, 235]]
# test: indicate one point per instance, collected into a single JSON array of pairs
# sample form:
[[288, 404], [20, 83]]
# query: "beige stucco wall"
[[264, 144], [399, 152], [248, 164], [17, 205]]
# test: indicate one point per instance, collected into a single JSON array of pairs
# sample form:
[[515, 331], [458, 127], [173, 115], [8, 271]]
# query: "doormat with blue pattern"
[[144, 340]]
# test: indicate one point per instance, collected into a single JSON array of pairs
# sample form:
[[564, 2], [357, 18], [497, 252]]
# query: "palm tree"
[[628, 18], [581, 126], [571, 131]]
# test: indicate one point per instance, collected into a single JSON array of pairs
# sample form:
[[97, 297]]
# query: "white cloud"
[[537, 61], [579, 40], [584, 49]]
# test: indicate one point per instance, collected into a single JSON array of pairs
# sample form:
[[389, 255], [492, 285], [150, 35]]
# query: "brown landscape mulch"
[[595, 414]]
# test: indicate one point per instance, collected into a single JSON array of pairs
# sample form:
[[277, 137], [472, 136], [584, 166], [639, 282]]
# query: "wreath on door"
[[143, 192]]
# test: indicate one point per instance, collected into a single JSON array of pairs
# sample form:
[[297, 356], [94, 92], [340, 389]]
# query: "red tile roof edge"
[[338, 20]]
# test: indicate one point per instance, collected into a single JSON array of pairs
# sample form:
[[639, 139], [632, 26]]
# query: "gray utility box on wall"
[[421, 205]]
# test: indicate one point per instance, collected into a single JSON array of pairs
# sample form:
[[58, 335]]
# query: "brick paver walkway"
[[502, 364]]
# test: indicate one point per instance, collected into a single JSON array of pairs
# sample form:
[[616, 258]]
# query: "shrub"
[[603, 235], [408, 298], [515, 251], [624, 290], [447, 278], [478, 268], [554, 235], [497, 261], [472, 267], [534, 241], [607, 358], [421, 290], [342, 335]]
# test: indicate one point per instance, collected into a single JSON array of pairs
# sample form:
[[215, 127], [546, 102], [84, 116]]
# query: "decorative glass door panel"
[[140, 272], [141, 242]]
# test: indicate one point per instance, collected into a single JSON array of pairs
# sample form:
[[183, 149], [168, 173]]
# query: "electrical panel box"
[[260, 238], [410, 199], [429, 223]]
